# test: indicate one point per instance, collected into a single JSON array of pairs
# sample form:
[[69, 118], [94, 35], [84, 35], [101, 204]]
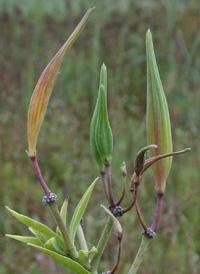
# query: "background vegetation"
[[31, 33]]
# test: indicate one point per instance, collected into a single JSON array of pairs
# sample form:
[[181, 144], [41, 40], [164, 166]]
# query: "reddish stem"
[[39, 175], [118, 258], [158, 211], [134, 194], [140, 216], [124, 190]]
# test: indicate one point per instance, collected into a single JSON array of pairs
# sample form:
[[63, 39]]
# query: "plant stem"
[[118, 257], [81, 238], [124, 190], [134, 195], [139, 257], [104, 181], [109, 186], [101, 245], [39, 175], [55, 211], [69, 246], [158, 211], [139, 215]]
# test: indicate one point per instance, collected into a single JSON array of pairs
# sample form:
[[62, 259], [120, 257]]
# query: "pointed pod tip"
[[103, 67], [149, 39]]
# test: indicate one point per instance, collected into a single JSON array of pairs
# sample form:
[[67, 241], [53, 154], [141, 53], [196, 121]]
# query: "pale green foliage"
[[52, 243], [79, 211]]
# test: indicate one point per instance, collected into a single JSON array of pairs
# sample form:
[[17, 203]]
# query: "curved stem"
[[134, 194], [158, 211], [140, 255], [101, 245], [140, 216], [39, 175], [118, 257], [124, 189]]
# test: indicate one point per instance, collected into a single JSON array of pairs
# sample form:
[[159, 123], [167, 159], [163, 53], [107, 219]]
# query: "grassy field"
[[31, 32]]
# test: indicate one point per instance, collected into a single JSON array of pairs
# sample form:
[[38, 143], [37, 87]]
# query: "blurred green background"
[[31, 32]]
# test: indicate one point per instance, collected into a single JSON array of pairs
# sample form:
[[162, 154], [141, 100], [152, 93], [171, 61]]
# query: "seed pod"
[[158, 120], [97, 152], [103, 132], [44, 87]]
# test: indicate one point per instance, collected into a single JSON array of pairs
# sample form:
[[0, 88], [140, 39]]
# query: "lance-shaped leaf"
[[79, 211], [52, 244], [103, 132], [25, 239], [76, 267], [37, 226], [43, 89], [97, 156], [158, 120], [63, 214]]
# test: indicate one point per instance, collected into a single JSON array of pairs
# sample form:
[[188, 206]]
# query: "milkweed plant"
[[60, 244]]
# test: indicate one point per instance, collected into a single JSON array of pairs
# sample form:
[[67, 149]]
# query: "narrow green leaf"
[[49, 245], [64, 260], [52, 245], [25, 239], [83, 258], [79, 211], [37, 225], [57, 247], [41, 236], [63, 214]]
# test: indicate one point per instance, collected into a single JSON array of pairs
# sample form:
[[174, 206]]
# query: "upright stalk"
[[139, 257], [101, 245], [69, 246]]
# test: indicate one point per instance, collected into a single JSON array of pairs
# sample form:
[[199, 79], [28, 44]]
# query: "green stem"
[[69, 246], [81, 238], [101, 245], [140, 255]]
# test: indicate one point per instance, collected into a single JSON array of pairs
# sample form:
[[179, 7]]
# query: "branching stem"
[[134, 194], [124, 190]]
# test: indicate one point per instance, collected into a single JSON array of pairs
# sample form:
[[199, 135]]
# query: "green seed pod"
[[158, 120], [103, 132], [103, 81]]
